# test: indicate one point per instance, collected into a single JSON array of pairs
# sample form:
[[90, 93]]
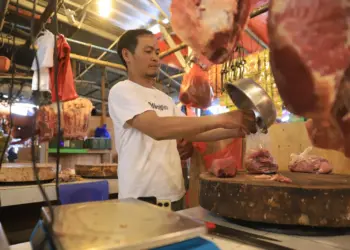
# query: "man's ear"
[[126, 55]]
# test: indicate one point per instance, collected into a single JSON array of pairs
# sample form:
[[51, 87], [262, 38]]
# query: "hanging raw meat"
[[210, 28], [195, 89], [75, 117], [310, 60]]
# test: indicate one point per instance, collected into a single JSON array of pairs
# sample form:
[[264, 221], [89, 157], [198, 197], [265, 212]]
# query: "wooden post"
[[103, 96], [74, 67]]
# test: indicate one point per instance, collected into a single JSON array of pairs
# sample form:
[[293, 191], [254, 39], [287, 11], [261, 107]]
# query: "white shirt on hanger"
[[45, 44]]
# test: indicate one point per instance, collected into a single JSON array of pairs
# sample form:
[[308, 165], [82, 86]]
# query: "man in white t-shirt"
[[147, 124]]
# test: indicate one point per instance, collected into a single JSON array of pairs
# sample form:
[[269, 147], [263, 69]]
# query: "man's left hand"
[[185, 149]]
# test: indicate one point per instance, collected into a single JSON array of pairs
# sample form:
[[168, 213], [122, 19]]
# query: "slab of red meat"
[[75, 116], [195, 89], [260, 162], [211, 28], [310, 60], [224, 168]]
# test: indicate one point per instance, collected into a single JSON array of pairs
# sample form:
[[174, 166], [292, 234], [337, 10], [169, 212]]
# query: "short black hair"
[[128, 40]]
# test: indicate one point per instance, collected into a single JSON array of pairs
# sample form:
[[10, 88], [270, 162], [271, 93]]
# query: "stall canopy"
[[93, 33]]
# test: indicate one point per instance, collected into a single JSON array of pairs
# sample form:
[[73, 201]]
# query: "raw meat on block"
[[275, 177], [310, 61], [211, 28], [260, 161], [224, 168], [307, 163]]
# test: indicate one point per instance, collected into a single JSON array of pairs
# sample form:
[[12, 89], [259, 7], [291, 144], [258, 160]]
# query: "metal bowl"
[[247, 94]]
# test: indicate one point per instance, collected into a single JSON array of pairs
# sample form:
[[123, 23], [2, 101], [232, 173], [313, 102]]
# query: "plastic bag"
[[225, 167], [102, 132], [225, 161], [307, 163], [195, 89], [258, 159]]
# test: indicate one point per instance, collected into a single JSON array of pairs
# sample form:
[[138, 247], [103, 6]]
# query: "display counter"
[[18, 195]]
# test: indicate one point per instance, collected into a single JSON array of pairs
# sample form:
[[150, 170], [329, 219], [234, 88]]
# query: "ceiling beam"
[[46, 14], [133, 7], [260, 10], [172, 50], [80, 7], [99, 58], [93, 61], [3, 11], [64, 19], [253, 36], [172, 44], [155, 3]]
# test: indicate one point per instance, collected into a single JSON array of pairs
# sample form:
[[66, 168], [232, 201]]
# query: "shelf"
[[79, 151]]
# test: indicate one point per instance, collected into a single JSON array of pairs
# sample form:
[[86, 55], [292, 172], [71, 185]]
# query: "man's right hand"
[[241, 119]]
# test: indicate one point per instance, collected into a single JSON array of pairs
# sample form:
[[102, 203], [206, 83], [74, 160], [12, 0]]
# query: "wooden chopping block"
[[102, 170], [23, 172], [312, 199]]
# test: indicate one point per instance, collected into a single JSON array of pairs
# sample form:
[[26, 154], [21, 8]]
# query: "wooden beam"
[[3, 10], [172, 50], [49, 10], [20, 42], [96, 61], [103, 97], [22, 12], [64, 19], [172, 44], [260, 10]]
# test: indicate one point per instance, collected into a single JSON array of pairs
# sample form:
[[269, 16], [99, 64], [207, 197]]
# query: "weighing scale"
[[119, 224]]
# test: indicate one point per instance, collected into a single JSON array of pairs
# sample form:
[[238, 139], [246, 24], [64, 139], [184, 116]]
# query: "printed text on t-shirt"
[[159, 107]]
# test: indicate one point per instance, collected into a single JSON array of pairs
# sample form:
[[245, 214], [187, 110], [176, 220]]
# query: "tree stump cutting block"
[[23, 172], [312, 199], [103, 170]]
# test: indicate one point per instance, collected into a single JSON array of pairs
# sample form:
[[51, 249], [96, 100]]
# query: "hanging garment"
[[65, 81], [45, 45]]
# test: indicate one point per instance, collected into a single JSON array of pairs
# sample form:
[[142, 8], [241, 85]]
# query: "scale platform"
[[122, 224]]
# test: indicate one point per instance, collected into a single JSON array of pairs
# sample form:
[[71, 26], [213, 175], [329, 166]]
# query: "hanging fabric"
[[65, 81], [45, 45]]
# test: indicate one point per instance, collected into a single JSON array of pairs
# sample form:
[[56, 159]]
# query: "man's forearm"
[[216, 135], [184, 127], [167, 128]]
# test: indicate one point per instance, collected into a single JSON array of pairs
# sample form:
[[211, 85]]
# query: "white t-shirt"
[[146, 167], [46, 44]]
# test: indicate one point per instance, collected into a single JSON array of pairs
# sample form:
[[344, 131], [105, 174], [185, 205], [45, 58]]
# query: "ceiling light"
[[104, 7], [155, 29]]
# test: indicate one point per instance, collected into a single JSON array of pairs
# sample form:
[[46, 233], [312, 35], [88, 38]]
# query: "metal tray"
[[119, 224]]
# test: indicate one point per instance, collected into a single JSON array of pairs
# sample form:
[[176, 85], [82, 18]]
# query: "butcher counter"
[[22, 204], [18, 195], [279, 240]]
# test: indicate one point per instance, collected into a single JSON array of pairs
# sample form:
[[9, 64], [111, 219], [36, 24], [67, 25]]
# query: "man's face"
[[145, 60]]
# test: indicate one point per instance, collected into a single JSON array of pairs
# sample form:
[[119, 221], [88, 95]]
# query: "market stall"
[[284, 187]]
